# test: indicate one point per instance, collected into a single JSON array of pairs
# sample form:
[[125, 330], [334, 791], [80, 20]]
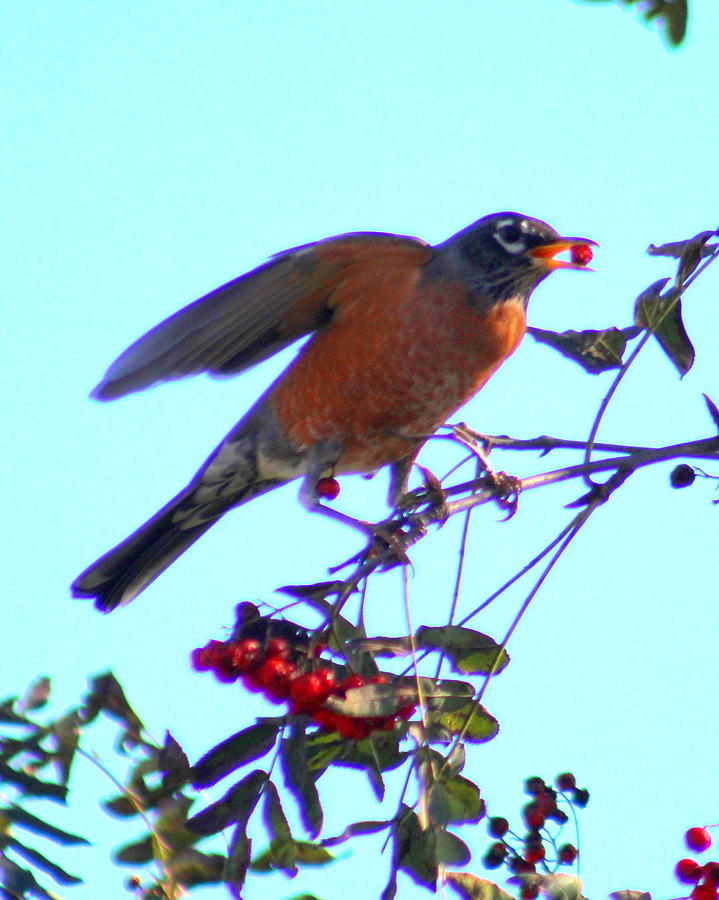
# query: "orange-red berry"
[[698, 839]]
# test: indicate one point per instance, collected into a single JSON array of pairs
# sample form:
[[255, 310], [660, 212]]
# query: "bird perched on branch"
[[403, 333]]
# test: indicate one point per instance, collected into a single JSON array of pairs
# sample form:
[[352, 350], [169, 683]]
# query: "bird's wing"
[[255, 315]]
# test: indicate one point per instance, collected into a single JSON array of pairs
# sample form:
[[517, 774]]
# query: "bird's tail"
[[126, 570]]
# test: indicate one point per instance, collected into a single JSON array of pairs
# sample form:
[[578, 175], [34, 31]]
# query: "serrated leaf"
[[235, 806], [238, 860], [470, 720], [454, 801], [469, 887], [248, 744], [293, 757], [121, 806], [19, 816], [136, 853], [274, 815], [596, 351], [470, 651]]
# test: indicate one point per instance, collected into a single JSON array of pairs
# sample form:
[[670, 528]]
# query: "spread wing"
[[257, 314]]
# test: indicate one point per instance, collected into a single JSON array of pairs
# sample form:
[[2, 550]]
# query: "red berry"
[[307, 692], [498, 826], [351, 681], [566, 854], [379, 678], [199, 660], [704, 891], [529, 891], [327, 678], [688, 871], [328, 488], [404, 712], [246, 655], [325, 718], [278, 646], [353, 729], [581, 254], [710, 872], [698, 839], [566, 781], [275, 675]]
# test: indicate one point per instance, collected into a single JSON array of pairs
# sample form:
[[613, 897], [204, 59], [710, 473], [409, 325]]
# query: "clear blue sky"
[[153, 151]]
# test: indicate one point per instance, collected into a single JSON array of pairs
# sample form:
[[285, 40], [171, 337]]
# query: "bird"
[[402, 334]]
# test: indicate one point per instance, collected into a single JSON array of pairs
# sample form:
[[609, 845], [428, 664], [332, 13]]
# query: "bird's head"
[[507, 254]]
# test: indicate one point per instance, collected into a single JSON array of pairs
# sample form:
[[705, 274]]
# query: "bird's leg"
[[321, 458]]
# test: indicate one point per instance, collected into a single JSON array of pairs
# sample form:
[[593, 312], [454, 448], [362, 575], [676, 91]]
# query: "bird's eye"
[[509, 234]]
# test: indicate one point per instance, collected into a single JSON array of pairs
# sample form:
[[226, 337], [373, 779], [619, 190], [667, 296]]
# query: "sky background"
[[151, 152]]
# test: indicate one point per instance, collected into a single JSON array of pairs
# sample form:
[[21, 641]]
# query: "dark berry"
[[580, 797], [682, 476], [534, 785], [520, 866], [566, 781], [533, 816], [566, 854], [698, 839], [278, 646], [495, 855], [688, 871], [534, 851], [529, 891], [497, 826]]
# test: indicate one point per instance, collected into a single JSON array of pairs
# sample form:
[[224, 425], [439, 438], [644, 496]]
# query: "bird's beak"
[[580, 254]]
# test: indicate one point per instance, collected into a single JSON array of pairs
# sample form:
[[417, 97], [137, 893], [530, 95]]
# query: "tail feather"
[[125, 571]]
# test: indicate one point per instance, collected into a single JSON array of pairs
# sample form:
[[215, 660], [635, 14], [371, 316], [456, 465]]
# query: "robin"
[[403, 333]]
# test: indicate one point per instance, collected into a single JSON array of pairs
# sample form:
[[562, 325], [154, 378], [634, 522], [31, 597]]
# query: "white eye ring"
[[511, 243]]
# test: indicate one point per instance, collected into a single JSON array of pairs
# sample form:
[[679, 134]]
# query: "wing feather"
[[256, 315]]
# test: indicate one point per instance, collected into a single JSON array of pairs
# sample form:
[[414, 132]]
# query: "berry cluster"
[[283, 670], [537, 847], [704, 877]]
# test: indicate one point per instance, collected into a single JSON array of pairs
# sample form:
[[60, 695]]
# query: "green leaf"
[[354, 829], [36, 695], [67, 736], [451, 851], [29, 784], [106, 695], [21, 817], [471, 652], [283, 854], [469, 887], [415, 849], [293, 757], [235, 806], [662, 315], [42, 862], [470, 720], [595, 351], [454, 801], [274, 815], [190, 867], [172, 761], [241, 748]]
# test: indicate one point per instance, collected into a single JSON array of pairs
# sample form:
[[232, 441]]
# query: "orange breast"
[[400, 355]]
